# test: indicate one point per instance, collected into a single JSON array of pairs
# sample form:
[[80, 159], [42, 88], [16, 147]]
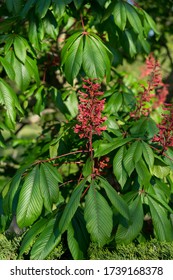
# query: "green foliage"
[[151, 250], [60, 78], [9, 248]]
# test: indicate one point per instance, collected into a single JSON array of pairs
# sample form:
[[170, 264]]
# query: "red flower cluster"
[[90, 109], [147, 99], [165, 135], [100, 165]]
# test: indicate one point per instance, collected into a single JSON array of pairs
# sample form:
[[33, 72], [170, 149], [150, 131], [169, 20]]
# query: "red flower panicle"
[[154, 94], [90, 109], [165, 134]]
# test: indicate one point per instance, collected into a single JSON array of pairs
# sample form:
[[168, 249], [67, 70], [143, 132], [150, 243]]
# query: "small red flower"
[[165, 134], [154, 94], [90, 110]]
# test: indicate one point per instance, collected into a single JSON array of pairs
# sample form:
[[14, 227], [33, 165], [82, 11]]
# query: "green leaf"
[[120, 16], [95, 64], [137, 148], [31, 66], [72, 104], [92, 60], [48, 186], [160, 201], [59, 7], [70, 41], [132, 156], [162, 224], [160, 169], [8, 43], [33, 32], [118, 167], [9, 100], [128, 161], [101, 2], [28, 5], [14, 6], [129, 43], [57, 95], [7, 24], [40, 101], [8, 69], [31, 235], [2, 141], [114, 103], [20, 47], [152, 128], [143, 173], [148, 154], [71, 206], [105, 148], [126, 232], [49, 168], [151, 22], [42, 7], [78, 237], [73, 61], [30, 202], [87, 168], [47, 241], [105, 52], [112, 126], [50, 25], [98, 216], [78, 3], [22, 75], [14, 189], [133, 18], [116, 200]]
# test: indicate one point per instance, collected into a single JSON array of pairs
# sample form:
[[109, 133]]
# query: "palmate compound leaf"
[[116, 200], [30, 201], [9, 100], [98, 216], [71, 206], [86, 50], [127, 231]]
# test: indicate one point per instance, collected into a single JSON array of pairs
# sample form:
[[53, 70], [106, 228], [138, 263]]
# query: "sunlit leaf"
[[119, 14], [30, 202]]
